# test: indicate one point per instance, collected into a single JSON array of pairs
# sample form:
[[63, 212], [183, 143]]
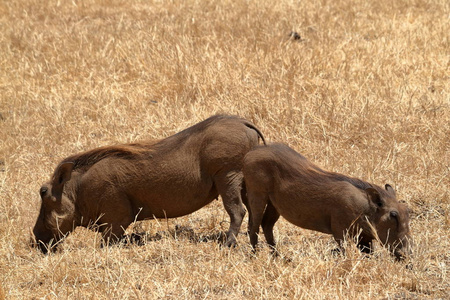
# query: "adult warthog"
[[115, 185], [281, 181]]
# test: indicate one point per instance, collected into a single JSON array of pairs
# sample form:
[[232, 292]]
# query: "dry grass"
[[365, 92]]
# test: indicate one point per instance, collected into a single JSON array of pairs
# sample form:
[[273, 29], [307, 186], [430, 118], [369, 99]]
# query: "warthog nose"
[[38, 244], [41, 247]]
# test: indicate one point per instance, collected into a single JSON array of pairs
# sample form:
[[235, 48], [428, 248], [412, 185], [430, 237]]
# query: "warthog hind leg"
[[229, 185], [257, 203], [269, 219]]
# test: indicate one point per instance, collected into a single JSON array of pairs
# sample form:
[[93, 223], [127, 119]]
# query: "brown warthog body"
[[279, 180], [113, 186]]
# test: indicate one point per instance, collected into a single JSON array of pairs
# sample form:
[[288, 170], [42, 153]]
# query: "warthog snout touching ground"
[[280, 181], [169, 178]]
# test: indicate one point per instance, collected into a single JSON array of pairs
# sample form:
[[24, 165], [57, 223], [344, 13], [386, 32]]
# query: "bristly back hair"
[[88, 158], [126, 151], [144, 149], [358, 183]]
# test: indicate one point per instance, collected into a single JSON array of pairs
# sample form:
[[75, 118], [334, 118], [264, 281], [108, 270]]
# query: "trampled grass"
[[363, 89]]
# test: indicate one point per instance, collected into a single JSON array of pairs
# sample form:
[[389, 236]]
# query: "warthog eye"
[[43, 191], [394, 214]]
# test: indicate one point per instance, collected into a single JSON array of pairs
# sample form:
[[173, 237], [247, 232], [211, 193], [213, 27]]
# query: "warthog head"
[[391, 221], [57, 214]]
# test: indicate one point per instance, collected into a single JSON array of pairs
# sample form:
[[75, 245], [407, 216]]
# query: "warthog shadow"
[[180, 232]]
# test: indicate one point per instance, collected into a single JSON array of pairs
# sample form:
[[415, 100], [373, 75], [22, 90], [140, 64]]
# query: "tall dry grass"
[[363, 91]]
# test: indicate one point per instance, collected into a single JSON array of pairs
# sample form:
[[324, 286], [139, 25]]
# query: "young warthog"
[[113, 186], [281, 181]]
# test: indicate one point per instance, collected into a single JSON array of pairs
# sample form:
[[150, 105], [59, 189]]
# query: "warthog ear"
[[63, 173], [390, 189], [374, 196]]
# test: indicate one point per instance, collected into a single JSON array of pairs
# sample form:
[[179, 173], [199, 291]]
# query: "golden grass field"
[[364, 91]]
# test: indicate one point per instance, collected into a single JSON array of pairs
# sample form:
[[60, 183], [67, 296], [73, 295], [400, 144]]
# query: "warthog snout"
[[43, 238], [43, 242], [403, 249], [43, 247]]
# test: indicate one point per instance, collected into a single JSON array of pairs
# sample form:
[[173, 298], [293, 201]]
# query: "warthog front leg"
[[229, 186], [115, 220], [113, 233]]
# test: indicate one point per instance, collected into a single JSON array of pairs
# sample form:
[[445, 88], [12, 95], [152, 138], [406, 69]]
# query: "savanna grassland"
[[361, 89]]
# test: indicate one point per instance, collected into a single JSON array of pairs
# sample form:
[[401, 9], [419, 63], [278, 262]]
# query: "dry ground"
[[363, 90]]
